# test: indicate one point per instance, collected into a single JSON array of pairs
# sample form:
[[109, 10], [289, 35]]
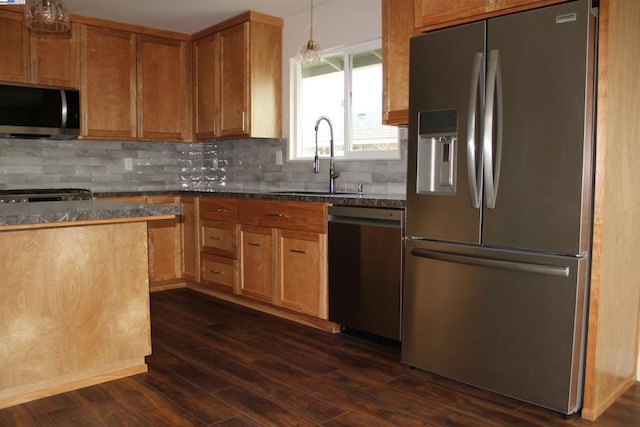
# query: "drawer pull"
[[253, 244], [218, 272], [298, 251], [216, 238], [275, 214]]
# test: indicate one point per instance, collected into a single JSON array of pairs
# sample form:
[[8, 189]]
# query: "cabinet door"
[[54, 58], [190, 241], [14, 65], [206, 73], [163, 85], [108, 59], [433, 12], [256, 277], [302, 272], [397, 29], [233, 83], [165, 245]]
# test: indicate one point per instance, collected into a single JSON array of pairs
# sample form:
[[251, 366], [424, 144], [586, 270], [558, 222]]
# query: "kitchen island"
[[74, 292]]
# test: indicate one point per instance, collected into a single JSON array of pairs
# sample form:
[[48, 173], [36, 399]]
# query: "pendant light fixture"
[[46, 15], [310, 52]]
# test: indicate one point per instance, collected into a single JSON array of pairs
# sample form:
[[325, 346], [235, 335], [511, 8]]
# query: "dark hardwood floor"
[[215, 363]]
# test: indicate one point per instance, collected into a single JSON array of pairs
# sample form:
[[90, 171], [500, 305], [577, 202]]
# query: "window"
[[353, 74]]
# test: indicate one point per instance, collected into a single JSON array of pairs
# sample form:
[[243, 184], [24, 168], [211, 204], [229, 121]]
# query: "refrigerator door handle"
[[474, 173], [548, 270], [492, 105]]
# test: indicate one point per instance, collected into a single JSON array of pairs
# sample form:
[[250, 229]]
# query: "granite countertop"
[[13, 214], [339, 198]]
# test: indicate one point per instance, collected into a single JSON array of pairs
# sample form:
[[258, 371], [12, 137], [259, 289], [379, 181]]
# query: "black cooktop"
[[44, 195]]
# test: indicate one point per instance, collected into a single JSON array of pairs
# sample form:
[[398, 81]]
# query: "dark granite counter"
[[340, 198], [16, 214]]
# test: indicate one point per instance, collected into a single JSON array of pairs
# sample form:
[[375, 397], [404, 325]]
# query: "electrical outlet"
[[128, 164], [278, 157]]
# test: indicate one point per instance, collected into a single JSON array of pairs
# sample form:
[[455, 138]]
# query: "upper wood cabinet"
[[205, 52], [163, 88], [37, 58], [108, 82], [397, 29], [430, 14], [238, 72]]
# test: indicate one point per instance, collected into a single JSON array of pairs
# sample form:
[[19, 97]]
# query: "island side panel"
[[74, 308]]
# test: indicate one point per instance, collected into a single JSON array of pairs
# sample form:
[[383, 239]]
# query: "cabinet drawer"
[[218, 271], [218, 209], [218, 238], [303, 216]]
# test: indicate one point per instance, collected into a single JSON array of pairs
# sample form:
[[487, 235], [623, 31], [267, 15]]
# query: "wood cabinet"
[[164, 245], [190, 238], [238, 73], [218, 231], [134, 86], [397, 29], [283, 254], [38, 58], [430, 14], [108, 80], [301, 272], [163, 88], [257, 263], [205, 74]]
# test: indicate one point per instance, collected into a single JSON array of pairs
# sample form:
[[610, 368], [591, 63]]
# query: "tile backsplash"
[[242, 164]]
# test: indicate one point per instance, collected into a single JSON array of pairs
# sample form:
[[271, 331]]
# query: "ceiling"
[[183, 16]]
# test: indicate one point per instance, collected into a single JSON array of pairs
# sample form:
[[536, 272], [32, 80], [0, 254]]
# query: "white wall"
[[337, 23]]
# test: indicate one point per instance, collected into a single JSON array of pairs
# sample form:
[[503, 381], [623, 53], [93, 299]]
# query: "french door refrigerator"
[[499, 201]]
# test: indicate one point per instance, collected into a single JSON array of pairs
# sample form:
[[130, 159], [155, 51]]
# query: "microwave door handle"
[[474, 173], [492, 159], [64, 110]]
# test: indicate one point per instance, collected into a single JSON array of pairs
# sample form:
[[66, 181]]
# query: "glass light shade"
[[310, 53], [46, 15]]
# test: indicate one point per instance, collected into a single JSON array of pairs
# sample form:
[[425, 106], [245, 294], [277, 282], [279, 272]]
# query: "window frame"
[[296, 106]]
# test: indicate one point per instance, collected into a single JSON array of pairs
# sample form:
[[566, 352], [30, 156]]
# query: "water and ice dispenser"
[[437, 152]]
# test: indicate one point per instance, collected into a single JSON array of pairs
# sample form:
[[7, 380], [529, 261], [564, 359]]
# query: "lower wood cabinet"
[[266, 253], [190, 238], [257, 262], [218, 248], [301, 272], [284, 254], [164, 245]]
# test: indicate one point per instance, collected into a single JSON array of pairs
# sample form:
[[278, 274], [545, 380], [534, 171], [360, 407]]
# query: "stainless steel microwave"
[[39, 112]]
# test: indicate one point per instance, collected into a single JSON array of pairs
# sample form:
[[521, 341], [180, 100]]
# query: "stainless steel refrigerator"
[[499, 201]]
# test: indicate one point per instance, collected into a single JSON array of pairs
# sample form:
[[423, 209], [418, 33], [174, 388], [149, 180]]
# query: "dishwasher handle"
[[380, 217]]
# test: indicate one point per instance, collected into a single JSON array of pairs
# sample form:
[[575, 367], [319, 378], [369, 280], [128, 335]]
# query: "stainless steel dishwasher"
[[365, 269]]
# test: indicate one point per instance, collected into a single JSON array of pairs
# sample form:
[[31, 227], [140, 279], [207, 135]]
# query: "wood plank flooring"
[[218, 364]]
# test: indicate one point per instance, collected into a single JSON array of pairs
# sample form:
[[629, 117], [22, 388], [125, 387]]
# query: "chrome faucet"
[[333, 174]]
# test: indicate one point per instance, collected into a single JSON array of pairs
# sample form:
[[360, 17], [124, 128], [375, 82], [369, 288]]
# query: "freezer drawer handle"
[[474, 173], [521, 267]]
